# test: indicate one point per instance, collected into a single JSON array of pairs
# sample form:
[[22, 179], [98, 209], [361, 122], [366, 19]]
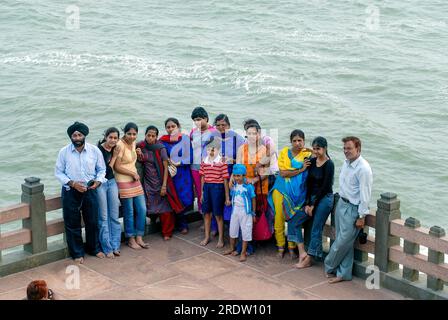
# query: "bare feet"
[[205, 242], [227, 252], [335, 280], [117, 253], [100, 255], [220, 244], [235, 253], [304, 263], [133, 244], [79, 260], [166, 238], [243, 257], [184, 231], [110, 255]]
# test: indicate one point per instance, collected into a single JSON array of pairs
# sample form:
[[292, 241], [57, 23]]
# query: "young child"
[[243, 214], [215, 190]]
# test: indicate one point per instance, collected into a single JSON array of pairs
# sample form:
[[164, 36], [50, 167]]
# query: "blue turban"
[[239, 169]]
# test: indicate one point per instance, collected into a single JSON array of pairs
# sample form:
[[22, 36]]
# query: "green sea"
[[374, 69]]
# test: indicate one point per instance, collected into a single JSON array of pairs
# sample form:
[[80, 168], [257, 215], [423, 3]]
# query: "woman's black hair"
[[199, 112], [251, 123], [129, 126], [221, 117], [322, 143], [107, 133], [296, 133], [172, 120], [154, 128]]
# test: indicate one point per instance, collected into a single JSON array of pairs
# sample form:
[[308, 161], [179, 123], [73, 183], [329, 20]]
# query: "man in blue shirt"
[[355, 188], [80, 168]]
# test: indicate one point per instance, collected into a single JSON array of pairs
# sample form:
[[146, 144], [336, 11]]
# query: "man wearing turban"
[[80, 168]]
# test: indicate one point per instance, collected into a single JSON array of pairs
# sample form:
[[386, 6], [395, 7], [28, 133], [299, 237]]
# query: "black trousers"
[[75, 203]]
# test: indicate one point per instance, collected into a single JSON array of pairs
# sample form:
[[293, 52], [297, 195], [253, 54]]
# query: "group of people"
[[241, 184]]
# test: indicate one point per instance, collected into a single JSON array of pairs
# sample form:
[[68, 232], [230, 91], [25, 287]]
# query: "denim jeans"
[[75, 204], [295, 227], [108, 223], [320, 216], [134, 227]]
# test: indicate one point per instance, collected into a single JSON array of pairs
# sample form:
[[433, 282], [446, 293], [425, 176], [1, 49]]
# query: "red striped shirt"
[[214, 173]]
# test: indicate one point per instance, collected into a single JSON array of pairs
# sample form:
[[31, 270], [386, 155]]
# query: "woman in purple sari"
[[180, 153]]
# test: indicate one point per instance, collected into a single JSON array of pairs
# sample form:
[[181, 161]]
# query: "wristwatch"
[[361, 216]]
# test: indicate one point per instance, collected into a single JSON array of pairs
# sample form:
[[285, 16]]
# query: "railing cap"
[[388, 196], [32, 180], [412, 222], [437, 231]]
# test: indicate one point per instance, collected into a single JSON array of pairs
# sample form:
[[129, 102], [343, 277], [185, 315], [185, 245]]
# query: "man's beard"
[[78, 143]]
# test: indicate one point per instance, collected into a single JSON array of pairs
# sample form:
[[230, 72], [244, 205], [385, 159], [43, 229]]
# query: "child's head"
[[239, 173], [200, 118], [213, 147]]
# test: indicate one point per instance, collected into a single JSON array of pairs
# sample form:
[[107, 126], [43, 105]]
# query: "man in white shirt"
[[355, 187]]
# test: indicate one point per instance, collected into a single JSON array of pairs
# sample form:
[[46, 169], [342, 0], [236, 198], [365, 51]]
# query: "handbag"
[[172, 169]]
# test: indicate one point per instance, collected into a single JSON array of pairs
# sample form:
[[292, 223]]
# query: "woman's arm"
[[165, 178]]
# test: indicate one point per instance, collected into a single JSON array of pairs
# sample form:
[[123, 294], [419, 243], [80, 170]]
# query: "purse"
[[172, 169]]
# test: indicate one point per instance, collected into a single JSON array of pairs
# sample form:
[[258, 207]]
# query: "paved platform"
[[181, 269]]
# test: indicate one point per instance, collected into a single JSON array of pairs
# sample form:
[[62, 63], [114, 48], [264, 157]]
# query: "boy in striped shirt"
[[215, 190]]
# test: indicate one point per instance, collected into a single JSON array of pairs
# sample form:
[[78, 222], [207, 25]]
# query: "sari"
[[292, 189]]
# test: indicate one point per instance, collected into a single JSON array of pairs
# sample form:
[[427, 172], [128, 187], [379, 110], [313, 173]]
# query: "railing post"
[[412, 249], [437, 258], [360, 255], [33, 194], [388, 210]]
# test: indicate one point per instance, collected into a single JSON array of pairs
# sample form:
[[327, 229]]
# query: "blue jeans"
[[320, 216], [133, 227], [108, 223]]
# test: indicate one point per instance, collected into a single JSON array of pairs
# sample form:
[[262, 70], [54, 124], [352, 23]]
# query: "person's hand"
[[306, 164], [254, 219], [95, 185], [136, 177], [139, 152], [228, 203], [79, 186], [310, 210], [163, 191], [231, 182], [360, 223], [116, 150]]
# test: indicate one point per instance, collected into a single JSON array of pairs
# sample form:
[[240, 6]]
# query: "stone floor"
[[181, 269]]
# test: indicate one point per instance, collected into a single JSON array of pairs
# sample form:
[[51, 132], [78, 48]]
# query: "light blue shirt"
[[355, 184], [80, 166]]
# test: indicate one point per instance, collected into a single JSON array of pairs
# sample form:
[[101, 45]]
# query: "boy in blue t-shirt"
[[243, 212]]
